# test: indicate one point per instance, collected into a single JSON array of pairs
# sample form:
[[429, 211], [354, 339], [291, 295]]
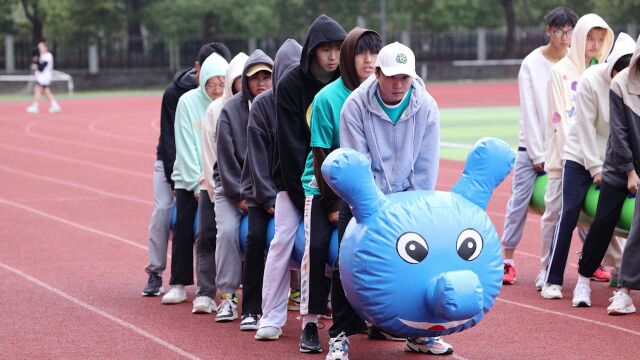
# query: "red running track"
[[74, 207]]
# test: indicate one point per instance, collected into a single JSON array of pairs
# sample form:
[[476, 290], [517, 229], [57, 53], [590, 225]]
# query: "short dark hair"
[[214, 47], [369, 41], [622, 63], [561, 17]]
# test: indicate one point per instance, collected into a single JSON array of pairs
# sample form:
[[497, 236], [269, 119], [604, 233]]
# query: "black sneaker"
[[309, 340], [154, 286], [379, 334]]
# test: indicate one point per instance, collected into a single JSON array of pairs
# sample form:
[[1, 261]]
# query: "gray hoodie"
[[403, 156], [231, 134], [258, 184]]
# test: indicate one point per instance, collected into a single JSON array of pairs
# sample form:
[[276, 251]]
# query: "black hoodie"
[[258, 185], [183, 81], [231, 134], [294, 94]]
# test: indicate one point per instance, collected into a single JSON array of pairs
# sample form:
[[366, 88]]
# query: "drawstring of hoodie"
[[375, 142]]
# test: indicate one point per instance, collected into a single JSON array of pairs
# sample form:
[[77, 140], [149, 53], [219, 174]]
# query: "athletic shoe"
[[154, 286], [429, 345], [509, 274], [54, 109], [268, 333], [309, 340], [540, 279], [551, 291], [294, 300], [227, 308], [621, 304], [33, 108], [601, 274], [338, 348], [249, 322], [615, 275], [581, 295], [176, 295], [203, 305], [379, 334]]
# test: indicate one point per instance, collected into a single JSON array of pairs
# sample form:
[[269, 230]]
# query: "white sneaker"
[[268, 333], [338, 348], [33, 108], [581, 295], [540, 279], [249, 322], [54, 109], [428, 345], [621, 304], [227, 309], [551, 291], [176, 295], [203, 305]]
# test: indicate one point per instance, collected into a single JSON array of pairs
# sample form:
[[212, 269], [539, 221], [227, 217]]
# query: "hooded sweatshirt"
[[325, 122], [404, 156], [562, 90], [588, 137], [183, 81], [623, 149], [231, 134], [208, 133], [189, 114], [294, 94], [258, 183]]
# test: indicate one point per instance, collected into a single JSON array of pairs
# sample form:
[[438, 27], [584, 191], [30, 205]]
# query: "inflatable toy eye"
[[412, 247], [469, 245]]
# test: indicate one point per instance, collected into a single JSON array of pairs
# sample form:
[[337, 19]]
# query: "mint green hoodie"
[[189, 115]]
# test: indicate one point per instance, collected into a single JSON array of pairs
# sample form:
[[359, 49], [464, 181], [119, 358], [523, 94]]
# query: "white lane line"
[[75, 161], [595, 322], [74, 185], [93, 129], [99, 312], [29, 131], [73, 224]]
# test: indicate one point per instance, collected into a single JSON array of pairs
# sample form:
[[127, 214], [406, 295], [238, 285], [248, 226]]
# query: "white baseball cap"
[[395, 59]]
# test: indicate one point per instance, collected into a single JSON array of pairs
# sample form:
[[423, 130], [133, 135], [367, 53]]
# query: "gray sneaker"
[[227, 309], [154, 286], [249, 322], [268, 333]]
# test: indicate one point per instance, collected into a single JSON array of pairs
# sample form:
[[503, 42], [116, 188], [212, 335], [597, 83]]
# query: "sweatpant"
[[630, 268], [524, 177], [228, 262], [277, 277], [254, 261], [344, 317], [160, 223], [549, 220], [206, 247], [315, 285], [604, 223], [183, 238]]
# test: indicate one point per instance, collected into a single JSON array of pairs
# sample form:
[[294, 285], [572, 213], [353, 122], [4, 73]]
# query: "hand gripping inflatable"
[[421, 263]]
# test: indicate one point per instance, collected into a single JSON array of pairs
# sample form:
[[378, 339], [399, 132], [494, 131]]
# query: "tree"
[[34, 14], [510, 18]]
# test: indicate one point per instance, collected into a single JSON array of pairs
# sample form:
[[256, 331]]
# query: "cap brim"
[[393, 71], [257, 68]]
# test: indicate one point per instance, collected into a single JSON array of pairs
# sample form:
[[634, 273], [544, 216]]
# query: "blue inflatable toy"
[[174, 215], [421, 263], [244, 231]]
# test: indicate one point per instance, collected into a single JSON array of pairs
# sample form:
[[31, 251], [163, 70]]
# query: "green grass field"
[[462, 127]]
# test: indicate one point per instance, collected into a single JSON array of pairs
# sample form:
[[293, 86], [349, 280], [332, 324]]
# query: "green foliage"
[[7, 18], [90, 19]]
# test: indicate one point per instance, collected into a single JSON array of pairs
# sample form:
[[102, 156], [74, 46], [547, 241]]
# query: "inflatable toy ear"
[[488, 164], [348, 173]]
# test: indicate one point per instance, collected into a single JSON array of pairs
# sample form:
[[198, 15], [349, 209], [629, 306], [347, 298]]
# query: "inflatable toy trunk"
[[421, 263]]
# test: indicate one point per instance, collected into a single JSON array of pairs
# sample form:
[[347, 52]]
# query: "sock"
[[309, 318], [510, 262], [54, 103], [583, 279]]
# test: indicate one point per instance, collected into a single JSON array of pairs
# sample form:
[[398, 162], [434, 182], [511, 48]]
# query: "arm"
[[167, 133], [208, 149], [322, 134], [352, 128], [427, 160], [557, 121], [42, 65], [533, 133], [622, 158], [586, 115], [229, 168], [257, 160], [186, 150]]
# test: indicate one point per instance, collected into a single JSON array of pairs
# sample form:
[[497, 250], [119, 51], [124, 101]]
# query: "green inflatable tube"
[[539, 189]]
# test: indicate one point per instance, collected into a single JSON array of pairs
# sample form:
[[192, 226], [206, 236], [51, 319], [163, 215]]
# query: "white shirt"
[[44, 77]]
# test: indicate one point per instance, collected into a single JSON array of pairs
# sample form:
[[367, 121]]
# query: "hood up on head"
[[348, 54], [634, 71], [624, 45], [257, 57], [323, 29], [234, 71], [579, 41], [287, 55], [214, 65]]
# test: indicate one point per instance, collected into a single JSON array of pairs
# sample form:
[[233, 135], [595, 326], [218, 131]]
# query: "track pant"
[[524, 177], [275, 285], [159, 225], [315, 285], [549, 220], [630, 268], [254, 261], [206, 247], [183, 238], [228, 262], [344, 317], [604, 223]]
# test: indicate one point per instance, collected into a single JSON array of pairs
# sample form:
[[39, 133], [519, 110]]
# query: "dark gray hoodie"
[[231, 134], [258, 184]]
